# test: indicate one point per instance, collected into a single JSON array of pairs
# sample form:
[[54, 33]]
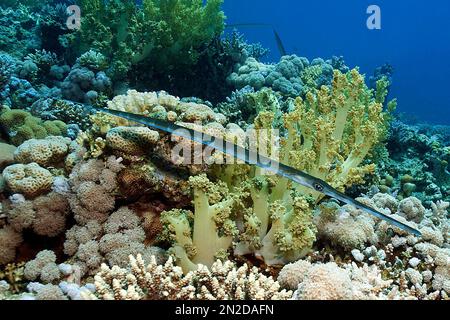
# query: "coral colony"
[[94, 205]]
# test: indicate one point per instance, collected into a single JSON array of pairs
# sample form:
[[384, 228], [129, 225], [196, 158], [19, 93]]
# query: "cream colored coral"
[[131, 140], [222, 281], [325, 282], [28, 179], [45, 152]]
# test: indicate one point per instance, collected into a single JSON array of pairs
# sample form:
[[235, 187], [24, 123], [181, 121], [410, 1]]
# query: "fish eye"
[[318, 187]]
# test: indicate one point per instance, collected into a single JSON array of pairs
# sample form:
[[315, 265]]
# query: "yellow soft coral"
[[332, 131], [328, 135], [205, 235]]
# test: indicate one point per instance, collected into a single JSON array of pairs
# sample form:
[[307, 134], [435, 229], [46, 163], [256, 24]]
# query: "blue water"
[[414, 38]]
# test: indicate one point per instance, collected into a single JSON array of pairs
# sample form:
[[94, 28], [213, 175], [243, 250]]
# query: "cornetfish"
[[253, 158]]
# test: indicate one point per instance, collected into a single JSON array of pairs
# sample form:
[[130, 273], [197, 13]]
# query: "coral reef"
[[94, 206]]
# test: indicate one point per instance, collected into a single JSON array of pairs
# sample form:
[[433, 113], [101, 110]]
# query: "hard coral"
[[28, 179], [50, 151], [222, 281]]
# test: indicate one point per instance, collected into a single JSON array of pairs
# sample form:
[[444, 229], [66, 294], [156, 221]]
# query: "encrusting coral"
[[223, 281], [20, 126]]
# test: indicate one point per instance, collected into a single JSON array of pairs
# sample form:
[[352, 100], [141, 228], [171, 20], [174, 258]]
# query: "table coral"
[[223, 281], [28, 179]]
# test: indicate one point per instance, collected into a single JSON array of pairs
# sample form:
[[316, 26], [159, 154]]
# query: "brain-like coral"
[[28, 179], [46, 152]]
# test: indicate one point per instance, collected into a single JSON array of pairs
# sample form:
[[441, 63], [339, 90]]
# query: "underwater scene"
[[224, 150]]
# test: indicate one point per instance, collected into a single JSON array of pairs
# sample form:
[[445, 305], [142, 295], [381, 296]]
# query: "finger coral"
[[223, 281]]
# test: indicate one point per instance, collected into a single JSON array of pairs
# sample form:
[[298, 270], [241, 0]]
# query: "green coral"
[[163, 32], [329, 135], [20, 125]]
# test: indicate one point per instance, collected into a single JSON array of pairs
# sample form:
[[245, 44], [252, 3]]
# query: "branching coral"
[[223, 281]]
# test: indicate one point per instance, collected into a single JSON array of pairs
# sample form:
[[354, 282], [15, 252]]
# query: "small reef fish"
[[253, 158], [280, 45]]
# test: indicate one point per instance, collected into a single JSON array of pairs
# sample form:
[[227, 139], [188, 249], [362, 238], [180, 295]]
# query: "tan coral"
[[28, 179], [9, 240], [45, 152]]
